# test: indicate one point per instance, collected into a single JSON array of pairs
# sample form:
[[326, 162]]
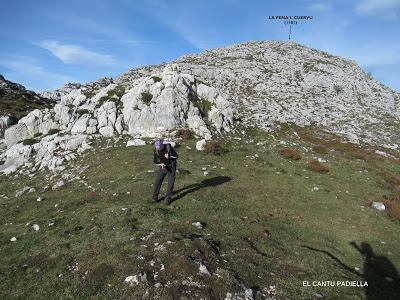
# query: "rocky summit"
[[271, 83], [257, 84]]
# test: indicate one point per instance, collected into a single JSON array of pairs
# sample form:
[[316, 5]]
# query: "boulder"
[[81, 124], [379, 206], [135, 142], [200, 145], [107, 131], [16, 133], [15, 156]]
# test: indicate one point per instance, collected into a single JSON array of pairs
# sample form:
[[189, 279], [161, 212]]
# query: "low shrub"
[[53, 131], [290, 153], [37, 134], [29, 142], [185, 134], [392, 205], [102, 100], [146, 97], [81, 112], [316, 166], [214, 147], [119, 91], [156, 79], [392, 179]]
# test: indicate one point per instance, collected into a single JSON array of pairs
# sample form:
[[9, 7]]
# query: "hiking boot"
[[153, 200], [167, 201]]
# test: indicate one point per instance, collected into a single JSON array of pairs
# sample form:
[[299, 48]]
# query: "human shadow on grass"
[[378, 271], [209, 182]]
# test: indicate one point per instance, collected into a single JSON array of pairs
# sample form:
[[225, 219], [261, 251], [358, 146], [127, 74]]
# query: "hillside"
[[249, 224], [17, 101], [301, 151]]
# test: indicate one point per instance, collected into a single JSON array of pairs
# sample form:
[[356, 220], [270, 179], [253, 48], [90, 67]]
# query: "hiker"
[[165, 157]]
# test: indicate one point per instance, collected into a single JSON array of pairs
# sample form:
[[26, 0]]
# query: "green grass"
[[262, 220], [18, 106]]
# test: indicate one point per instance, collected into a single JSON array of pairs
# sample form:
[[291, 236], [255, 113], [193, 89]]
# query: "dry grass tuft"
[[290, 153], [320, 149], [393, 206], [183, 133], [392, 179], [214, 147], [316, 166]]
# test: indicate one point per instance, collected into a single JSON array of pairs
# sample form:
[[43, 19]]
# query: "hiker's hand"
[[162, 166], [166, 155]]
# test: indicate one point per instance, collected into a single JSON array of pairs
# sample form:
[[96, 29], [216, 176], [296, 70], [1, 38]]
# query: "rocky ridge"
[[272, 83], [152, 106]]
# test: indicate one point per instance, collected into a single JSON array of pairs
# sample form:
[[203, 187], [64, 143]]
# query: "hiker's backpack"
[[168, 148]]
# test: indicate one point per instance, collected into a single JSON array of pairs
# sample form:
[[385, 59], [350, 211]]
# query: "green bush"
[[81, 112], [53, 131], [214, 147], [37, 134], [29, 142], [156, 79], [146, 97], [203, 105], [102, 100], [119, 91]]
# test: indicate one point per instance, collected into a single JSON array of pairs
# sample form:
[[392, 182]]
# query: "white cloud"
[[77, 55], [320, 7], [389, 8]]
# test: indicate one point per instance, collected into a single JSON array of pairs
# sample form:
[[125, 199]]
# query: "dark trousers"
[[170, 171]]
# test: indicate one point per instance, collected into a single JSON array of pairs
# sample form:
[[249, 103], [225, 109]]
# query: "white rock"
[[379, 206], [198, 224], [107, 131], [35, 227], [13, 239], [135, 142], [24, 190], [200, 145], [203, 269], [249, 294], [136, 279], [81, 124], [58, 185], [14, 157]]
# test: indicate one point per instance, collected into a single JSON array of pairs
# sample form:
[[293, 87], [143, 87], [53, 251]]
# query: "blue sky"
[[45, 44]]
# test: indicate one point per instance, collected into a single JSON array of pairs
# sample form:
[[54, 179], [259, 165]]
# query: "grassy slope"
[[18, 106], [260, 214]]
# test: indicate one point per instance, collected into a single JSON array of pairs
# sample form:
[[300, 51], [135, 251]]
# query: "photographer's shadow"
[[380, 273], [382, 277], [209, 182]]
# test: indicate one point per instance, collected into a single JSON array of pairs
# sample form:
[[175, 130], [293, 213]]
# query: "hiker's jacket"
[[159, 158]]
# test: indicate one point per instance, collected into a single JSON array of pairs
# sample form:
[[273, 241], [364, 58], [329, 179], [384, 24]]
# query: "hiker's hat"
[[158, 144]]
